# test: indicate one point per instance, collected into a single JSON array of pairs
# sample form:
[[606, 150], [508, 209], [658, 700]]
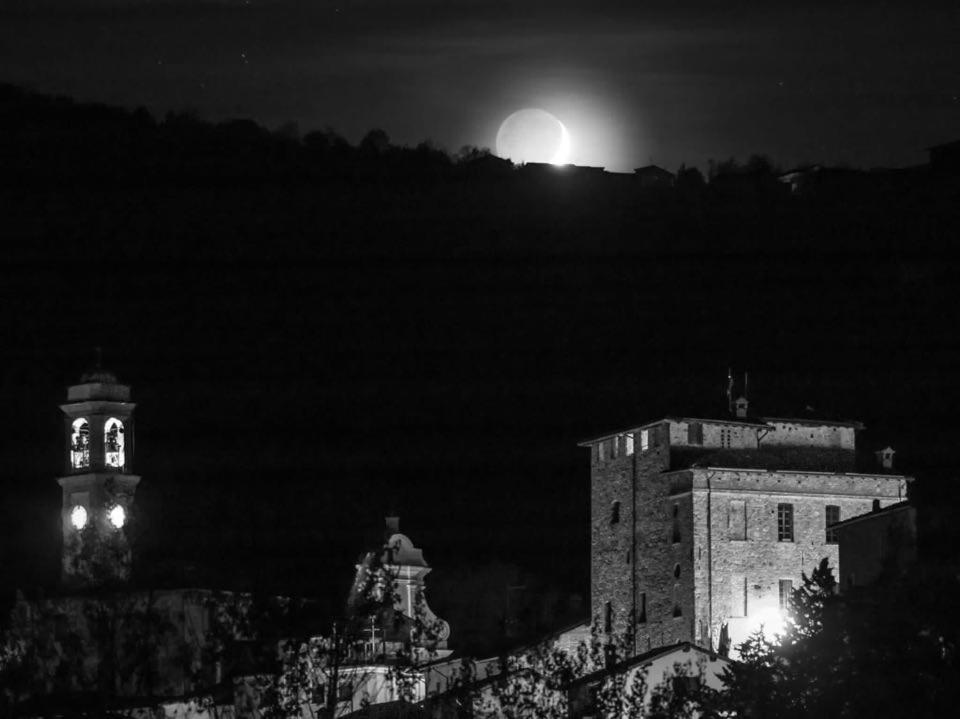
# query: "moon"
[[533, 135]]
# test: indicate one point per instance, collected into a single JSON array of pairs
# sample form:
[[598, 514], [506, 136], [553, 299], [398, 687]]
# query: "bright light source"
[[78, 517], [117, 516], [770, 621]]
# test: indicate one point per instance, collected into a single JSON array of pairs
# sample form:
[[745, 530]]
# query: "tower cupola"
[[97, 484]]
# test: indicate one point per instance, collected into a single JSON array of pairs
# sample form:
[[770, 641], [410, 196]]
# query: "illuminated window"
[[113, 442], [695, 433], [629, 440], [644, 440], [117, 516], [737, 520], [80, 444], [833, 516], [784, 522], [786, 590], [78, 517]]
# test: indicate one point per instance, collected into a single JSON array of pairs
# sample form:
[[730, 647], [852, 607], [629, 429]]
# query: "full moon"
[[533, 135]]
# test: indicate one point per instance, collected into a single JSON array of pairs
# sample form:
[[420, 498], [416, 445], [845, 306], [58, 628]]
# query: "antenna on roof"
[[729, 390]]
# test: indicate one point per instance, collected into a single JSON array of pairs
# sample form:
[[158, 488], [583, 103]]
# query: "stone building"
[[883, 542], [701, 527]]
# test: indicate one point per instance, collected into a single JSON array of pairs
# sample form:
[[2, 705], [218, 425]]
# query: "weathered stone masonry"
[[694, 544]]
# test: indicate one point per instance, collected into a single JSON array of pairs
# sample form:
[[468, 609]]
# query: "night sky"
[[864, 83], [307, 358]]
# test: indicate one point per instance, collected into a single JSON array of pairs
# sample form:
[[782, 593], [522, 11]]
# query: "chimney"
[[741, 406], [392, 527], [885, 457]]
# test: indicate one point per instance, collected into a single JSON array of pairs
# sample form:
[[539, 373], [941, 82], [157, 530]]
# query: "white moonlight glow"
[[78, 517], [117, 516], [533, 135]]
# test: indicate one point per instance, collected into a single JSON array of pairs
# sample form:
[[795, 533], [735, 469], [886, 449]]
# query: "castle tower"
[[97, 485], [701, 528]]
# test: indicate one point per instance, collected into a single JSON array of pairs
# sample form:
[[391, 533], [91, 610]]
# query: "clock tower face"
[[98, 486]]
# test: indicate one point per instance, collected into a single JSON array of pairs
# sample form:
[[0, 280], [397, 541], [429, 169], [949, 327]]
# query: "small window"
[[614, 448], [786, 591], [695, 433], [629, 443], [685, 686], [608, 617], [784, 522], [737, 520], [677, 609], [642, 610], [676, 571], [738, 596], [615, 513], [601, 451], [675, 533], [832, 517], [80, 444], [724, 437], [876, 505], [113, 443], [644, 440]]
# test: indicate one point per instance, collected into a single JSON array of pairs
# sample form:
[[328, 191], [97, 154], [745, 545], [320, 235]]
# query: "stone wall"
[[760, 560]]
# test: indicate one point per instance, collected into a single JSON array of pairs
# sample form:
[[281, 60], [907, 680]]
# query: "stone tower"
[[701, 527], [97, 484]]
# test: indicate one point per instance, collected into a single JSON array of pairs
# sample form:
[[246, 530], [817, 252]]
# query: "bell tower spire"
[[97, 484]]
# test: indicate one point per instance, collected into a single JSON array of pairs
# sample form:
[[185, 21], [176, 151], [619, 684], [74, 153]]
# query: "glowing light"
[[78, 517], [113, 443], [80, 444], [117, 516], [770, 621], [534, 135]]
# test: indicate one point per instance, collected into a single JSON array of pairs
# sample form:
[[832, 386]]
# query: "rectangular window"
[[738, 595], [615, 513], [786, 591], [642, 609], [675, 534], [608, 617], [724, 437], [601, 451], [644, 440], [833, 516], [614, 448], [677, 608], [784, 522], [629, 439], [737, 519], [695, 433]]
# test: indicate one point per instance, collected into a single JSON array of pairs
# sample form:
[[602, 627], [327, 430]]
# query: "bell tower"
[[97, 484]]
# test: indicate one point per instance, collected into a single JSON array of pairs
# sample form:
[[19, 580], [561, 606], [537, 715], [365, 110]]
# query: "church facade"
[[700, 528]]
